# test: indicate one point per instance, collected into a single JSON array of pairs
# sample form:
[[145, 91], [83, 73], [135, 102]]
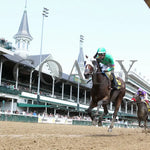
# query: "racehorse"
[[102, 92], [142, 112]]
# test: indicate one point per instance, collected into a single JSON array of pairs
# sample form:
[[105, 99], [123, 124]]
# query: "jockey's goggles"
[[101, 54]]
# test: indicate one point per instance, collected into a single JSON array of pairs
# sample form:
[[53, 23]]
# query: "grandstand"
[[59, 93]]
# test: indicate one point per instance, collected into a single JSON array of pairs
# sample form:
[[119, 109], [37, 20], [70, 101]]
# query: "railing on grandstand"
[[23, 87], [9, 90], [131, 88]]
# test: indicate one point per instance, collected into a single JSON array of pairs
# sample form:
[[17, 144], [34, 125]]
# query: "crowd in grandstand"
[[46, 115]]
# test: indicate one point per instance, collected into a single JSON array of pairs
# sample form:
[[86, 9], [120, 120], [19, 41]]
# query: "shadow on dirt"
[[103, 135]]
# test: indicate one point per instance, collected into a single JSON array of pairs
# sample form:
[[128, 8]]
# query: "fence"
[[33, 119], [18, 118]]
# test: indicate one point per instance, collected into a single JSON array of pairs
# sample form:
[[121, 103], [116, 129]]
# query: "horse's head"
[[136, 98], [89, 68]]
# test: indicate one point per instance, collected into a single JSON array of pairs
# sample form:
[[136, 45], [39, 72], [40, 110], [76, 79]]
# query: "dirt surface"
[[34, 136]]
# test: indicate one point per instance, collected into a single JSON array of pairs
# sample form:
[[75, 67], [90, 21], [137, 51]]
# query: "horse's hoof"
[[94, 122], [141, 126], [99, 124], [109, 130]]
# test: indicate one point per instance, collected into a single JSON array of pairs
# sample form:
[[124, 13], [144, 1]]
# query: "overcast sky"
[[122, 27]]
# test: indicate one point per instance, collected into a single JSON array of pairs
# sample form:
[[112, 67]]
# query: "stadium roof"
[[34, 58], [5, 51]]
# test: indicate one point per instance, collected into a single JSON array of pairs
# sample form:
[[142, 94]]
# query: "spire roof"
[[24, 28]]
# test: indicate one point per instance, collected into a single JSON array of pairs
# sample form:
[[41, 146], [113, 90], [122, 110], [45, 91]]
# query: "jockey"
[[143, 96], [141, 93], [106, 61]]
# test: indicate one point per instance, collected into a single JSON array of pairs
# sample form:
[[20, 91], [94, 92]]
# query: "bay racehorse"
[[142, 112], [102, 93]]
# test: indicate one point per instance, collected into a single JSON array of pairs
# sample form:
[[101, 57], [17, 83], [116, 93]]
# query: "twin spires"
[[81, 55], [23, 37], [23, 31]]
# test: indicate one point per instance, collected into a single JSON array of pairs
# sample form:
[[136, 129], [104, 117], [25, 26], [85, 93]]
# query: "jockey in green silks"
[[106, 61]]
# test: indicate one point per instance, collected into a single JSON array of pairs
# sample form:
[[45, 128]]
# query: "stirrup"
[[116, 87]]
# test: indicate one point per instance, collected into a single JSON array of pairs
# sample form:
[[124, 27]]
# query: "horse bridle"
[[137, 102]]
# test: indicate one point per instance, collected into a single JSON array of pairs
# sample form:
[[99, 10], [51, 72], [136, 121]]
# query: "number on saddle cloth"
[[110, 77], [147, 104], [118, 81]]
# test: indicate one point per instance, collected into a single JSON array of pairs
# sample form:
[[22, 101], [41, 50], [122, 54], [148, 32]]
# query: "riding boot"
[[114, 81]]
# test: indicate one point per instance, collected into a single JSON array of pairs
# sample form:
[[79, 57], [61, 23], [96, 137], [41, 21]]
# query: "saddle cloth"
[[148, 106], [111, 78]]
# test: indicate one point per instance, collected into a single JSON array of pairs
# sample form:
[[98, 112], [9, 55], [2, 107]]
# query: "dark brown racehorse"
[[102, 93], [142, 112]]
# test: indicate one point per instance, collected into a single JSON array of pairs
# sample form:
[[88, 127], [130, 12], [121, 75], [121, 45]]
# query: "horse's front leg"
[[104, 103], [89, 110], [145, 125], [95, 116], [139, 122], [119, 100], [101, 117]]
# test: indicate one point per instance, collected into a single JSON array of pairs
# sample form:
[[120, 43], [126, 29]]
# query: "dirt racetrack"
[[34, 136]]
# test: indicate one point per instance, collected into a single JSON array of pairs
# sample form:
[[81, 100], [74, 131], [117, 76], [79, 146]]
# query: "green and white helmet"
[[101, 51]]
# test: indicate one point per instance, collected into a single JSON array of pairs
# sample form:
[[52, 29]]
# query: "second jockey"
[[143, 96], [106, 61]]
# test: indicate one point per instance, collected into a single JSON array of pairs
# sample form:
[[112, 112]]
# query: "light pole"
[[45, 14]]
